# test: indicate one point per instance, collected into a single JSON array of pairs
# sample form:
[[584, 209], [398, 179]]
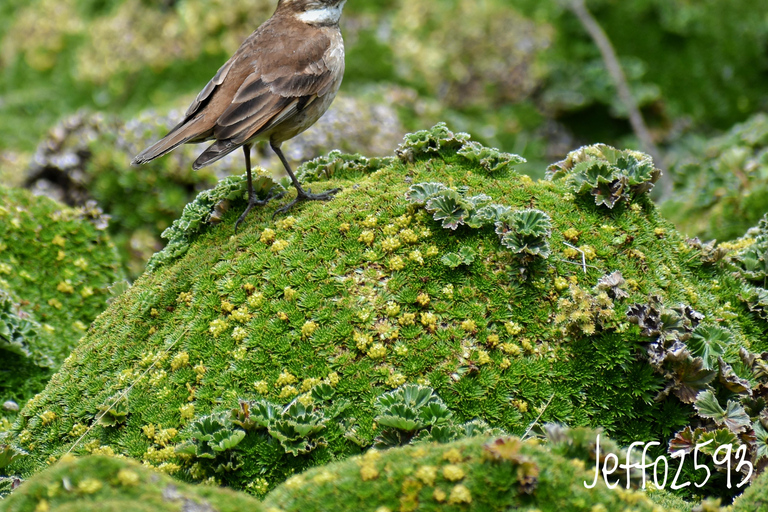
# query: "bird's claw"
[[307, 196], [253, 201]]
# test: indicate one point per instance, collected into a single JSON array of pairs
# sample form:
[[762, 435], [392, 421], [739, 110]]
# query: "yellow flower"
[[89, 486], [65, 287], [127, 478], [280, 245], [187, 412], [396, 263], [286, 223], [217, 327], [288, 392], [427, 474], [391, 244], [408, 236], [267, 236], [513, 328], [453, 456], [256, 300], [378, 351], [47, 417], [395, 380], [241, 315], [308, 329], [392, 309], [460, 494], [453, 472], [333, 378], [239, 334], [571, 234], [285, 378], [179, 360], [366, 237], [368, 472], [416, 257], [261, 386]]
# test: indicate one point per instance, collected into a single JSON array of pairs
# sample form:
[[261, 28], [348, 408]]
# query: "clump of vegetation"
[[43, 315], [478, 474], [610, 175], [90, 483], [721, 183]]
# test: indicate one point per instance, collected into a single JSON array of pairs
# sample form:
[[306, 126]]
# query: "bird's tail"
[[215, 152], [183, 132]]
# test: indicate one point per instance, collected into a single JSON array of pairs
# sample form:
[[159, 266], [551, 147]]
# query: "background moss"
[[56, 265], [102, 483]]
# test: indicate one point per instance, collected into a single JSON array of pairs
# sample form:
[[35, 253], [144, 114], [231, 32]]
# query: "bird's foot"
[[254, 201], [307, 196]]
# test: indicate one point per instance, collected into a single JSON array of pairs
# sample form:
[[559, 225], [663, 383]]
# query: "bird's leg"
[[301, 195], [252, 199]]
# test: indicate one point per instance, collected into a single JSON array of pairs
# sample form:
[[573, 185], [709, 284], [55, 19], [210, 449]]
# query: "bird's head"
[[313, 12]]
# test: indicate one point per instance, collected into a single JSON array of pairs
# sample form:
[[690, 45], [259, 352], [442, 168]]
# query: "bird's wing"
[[273, 90], [207, 91]]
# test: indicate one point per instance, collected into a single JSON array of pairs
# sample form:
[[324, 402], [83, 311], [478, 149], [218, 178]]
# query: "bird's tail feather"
[[176, 137], [215, 152]]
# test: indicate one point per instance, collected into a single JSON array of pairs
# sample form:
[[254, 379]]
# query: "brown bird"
[[280, 81]]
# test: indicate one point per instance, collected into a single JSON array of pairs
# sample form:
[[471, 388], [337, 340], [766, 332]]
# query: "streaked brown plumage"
[[280, 81]]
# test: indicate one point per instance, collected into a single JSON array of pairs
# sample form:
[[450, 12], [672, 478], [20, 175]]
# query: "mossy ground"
[[478, 474], [354, 292], [56, 265], [108, 484]]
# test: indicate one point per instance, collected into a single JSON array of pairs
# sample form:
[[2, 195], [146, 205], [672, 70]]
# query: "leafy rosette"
[[424, 142], [211, 436], [526, 233], [17, 330], [450, 208], [490, 159], [420, 193], [336, 164], [609, 174], [407, 410]]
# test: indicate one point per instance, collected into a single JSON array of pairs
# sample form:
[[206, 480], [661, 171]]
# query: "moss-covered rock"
[[56, 265], [254, 356], [108, 484], [478, 474]]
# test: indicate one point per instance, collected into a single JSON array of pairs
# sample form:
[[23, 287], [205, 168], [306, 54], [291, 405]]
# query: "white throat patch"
[[324, 15]]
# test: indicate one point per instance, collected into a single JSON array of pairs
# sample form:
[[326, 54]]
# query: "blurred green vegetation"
[[522, 75], [497, 68]]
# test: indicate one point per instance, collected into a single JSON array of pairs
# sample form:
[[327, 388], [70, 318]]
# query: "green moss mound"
[[479, 474], [248, 358], [107, 484], [56, 264], [755, 498]]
